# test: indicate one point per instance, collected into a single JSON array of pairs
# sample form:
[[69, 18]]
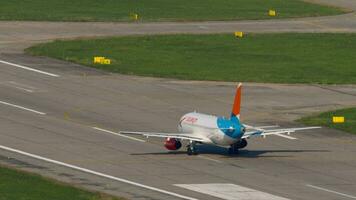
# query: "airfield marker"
[[338, 119], [239, 34], [272, 13], [101, 60]]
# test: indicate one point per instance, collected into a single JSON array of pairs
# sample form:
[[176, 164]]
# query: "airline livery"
[[198, 128]]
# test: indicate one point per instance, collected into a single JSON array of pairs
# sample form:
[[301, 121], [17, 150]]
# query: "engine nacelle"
[[242, 144], [172, 144]]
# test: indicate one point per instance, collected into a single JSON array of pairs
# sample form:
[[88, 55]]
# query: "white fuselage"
[[204, 126]]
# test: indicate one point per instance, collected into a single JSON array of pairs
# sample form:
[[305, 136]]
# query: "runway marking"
[[286, 136], [203, 27], [95, 173], [211, 159], [230, 191], [24, 89], [19, 86], [331, 191], [28, 68], [21, 107], [118, 134]]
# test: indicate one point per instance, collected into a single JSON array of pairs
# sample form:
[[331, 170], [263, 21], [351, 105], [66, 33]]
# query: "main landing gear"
[[234, 148], [191, 148]]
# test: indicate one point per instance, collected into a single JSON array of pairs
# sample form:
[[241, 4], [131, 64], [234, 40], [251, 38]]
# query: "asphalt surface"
[[15, 36], [320, 164], [82, 98]]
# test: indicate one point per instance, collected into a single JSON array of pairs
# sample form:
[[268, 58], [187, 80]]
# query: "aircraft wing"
[[265, 132], [181, 136]]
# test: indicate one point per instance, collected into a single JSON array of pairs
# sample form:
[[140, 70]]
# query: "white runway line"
[[24, 89], [28, 68], [286, 136], [19, 86], [203, 27], [95, 173], [118, 134], [211, 159], [21, 107], [331, 191], [230, 191]]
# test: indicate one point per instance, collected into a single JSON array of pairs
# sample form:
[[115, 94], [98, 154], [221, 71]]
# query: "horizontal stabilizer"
[[278, 132]]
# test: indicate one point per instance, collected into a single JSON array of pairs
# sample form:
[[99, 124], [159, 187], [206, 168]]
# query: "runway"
[[81, 98], [69, 114]]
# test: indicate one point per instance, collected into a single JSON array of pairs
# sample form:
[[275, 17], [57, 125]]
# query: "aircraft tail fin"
[[237, 102]]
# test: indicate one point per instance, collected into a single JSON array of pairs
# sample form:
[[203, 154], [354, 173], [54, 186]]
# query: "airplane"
[[199, 128]]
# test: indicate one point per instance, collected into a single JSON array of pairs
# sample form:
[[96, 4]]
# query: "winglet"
[[237, 102]]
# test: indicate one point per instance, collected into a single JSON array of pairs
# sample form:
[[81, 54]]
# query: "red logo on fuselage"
[[191, 119]]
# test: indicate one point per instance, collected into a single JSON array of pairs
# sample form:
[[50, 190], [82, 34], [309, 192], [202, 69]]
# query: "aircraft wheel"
[[191, 150], [233, 150], [230, 150]]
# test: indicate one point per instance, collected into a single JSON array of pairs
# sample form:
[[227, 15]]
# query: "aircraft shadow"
[[245, 153]]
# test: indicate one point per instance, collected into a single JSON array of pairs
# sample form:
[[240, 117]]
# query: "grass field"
[[275, 58], [325, 119], [157, 10], [20, 185]]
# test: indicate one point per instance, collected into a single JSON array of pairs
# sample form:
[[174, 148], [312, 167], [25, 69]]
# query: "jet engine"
[[172, 144], [242, 144]]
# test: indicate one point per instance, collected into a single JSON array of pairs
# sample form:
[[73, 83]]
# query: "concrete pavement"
[[320, 164], [81, 98]]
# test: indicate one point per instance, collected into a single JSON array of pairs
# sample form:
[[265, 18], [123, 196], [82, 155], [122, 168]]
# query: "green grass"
[[275, 58], [20, 185], [157, 10], [325, 119]]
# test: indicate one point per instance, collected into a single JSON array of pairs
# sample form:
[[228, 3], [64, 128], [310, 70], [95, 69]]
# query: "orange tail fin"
[[237, 102]]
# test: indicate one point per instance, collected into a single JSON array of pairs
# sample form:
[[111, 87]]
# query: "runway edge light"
[[338, 119], [134, 16], [272, 13], [239, 34]]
